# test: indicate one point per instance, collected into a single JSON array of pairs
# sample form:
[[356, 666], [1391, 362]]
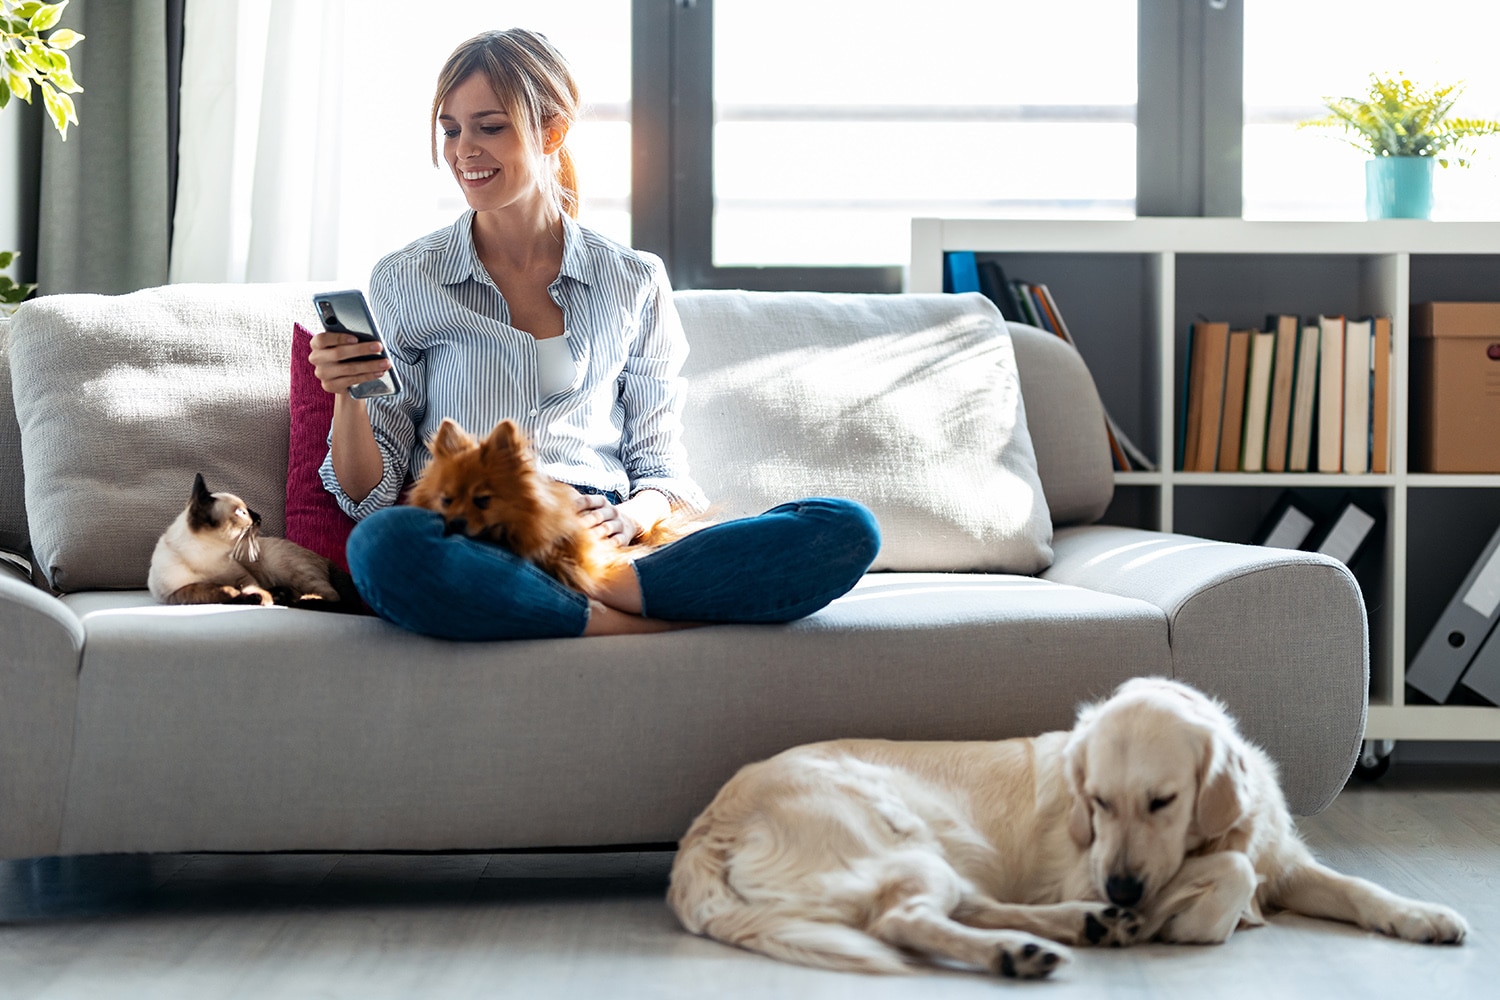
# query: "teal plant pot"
[[1398, 187]]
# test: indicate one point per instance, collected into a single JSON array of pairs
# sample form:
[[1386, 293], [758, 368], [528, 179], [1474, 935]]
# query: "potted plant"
[[29, 62], [1405, 129]]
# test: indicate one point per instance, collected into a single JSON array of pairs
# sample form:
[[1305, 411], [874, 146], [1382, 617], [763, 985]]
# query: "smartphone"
[[346, 312]]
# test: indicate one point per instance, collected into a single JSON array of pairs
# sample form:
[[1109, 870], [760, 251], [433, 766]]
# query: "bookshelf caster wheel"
[[1374, 759]]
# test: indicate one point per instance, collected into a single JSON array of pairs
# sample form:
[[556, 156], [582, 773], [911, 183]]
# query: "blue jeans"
[[776, 567]]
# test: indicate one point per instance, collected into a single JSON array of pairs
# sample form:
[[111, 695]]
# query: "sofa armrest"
[[38, 699], [1279, 636]]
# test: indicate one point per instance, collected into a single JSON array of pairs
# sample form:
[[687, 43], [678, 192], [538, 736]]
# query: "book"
[[1028, 308], [1258, 400], [1330, 434], [1049, 305], [1209, 354], [1279, 417], [1232, 422], [1380, 398], [1043, 303], [960, 271], [1357, 343], [1461, 629], [1304, 399], [995, 286], [1287, 525]]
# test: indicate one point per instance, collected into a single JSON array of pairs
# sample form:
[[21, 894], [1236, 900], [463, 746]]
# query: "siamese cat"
[[214, 553]]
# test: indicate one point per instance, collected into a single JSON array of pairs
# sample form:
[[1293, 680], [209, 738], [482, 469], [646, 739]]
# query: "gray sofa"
[[129, 727]]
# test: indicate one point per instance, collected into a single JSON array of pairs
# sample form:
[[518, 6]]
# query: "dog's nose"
[[457, 526], [1123, 890]]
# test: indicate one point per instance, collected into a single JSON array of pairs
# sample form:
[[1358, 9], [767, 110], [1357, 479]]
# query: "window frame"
[[1189, 131]]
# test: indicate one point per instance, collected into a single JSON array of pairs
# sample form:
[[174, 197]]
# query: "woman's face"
[[485, 150]]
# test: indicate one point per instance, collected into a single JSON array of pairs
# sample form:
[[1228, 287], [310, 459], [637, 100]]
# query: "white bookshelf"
[[1130, 292]]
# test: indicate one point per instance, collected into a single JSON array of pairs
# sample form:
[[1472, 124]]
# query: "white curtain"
[[259, 154], [305, 151]]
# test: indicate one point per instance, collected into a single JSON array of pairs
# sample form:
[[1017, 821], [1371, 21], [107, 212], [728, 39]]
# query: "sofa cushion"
[[14, 534], [314, 519], [909, 404], [121, 399], [250, 744]]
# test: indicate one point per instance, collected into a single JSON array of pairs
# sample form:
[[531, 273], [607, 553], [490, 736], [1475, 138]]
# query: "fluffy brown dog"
[[492, 489], [1153, 819]]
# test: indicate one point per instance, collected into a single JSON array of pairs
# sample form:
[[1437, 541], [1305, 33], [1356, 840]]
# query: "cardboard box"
[[1455, 387]]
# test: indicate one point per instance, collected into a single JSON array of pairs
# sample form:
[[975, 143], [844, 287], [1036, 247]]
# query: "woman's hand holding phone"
[[341, 360]]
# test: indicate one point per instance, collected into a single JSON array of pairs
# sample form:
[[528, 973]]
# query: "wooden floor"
[[595, 925]]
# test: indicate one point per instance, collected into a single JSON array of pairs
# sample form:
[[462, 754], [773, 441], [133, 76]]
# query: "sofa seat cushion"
[[251, 729]]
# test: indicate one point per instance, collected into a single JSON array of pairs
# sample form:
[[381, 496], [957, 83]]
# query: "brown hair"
[[536, 88]]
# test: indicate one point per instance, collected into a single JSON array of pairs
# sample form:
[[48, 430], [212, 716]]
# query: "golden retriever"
[[1153, 819]]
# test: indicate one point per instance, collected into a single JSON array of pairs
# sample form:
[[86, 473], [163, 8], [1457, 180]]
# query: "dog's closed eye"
[[1158, 804], [482, 502]]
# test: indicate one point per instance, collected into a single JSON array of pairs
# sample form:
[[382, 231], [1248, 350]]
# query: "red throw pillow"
[[314, 519]]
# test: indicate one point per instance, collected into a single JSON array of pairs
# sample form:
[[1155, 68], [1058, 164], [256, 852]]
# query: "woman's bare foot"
[[620, 588], [605, 620]]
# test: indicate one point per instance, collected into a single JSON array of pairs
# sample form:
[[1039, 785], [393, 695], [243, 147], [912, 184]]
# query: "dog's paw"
[[1106, 926], [1028, 957], [1425, 923]]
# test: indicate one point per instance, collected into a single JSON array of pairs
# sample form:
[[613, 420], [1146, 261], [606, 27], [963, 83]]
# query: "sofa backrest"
[[14, 536], [122, 398], [1067, 424]]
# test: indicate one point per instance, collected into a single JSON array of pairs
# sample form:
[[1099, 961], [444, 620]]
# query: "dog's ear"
[[505, 438], [1080, 817], [1222, 791], [449, 439]]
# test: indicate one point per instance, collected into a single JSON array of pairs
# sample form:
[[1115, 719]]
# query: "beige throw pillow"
[[121, 399], [910, 404]]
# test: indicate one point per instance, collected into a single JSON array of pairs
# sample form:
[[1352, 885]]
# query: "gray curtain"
[[106, 191]]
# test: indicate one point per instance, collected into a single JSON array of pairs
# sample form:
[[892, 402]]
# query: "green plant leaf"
[[47, 16], [7, 258], [4, 98], [60, 107], [20, 84], [28, 9], [63, 79], [64, 38]]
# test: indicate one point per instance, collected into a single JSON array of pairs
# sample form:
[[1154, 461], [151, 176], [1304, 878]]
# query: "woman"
[[518, 312]]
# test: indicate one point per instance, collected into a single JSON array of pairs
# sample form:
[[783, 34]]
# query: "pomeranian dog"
[[493, 490], [214, 553]]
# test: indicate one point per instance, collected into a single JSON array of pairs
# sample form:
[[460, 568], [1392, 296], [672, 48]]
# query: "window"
[[837, 121], [1298, 52]]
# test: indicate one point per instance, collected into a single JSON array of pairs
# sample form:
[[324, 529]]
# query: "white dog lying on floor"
[[1153, 819]]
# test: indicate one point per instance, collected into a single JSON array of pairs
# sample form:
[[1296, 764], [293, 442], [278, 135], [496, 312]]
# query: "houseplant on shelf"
[[30, 62], [1405, 129]]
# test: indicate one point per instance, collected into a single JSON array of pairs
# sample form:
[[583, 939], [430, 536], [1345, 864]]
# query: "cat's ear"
[[200, 509], [449, 439]]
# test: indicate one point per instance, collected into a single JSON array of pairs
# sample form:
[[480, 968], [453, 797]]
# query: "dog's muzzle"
[[1124, 890]]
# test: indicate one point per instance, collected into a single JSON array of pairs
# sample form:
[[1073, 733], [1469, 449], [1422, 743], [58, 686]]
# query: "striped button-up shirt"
[[447, 329]]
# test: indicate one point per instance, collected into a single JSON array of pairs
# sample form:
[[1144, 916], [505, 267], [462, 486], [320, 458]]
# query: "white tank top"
[[555, 370]]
